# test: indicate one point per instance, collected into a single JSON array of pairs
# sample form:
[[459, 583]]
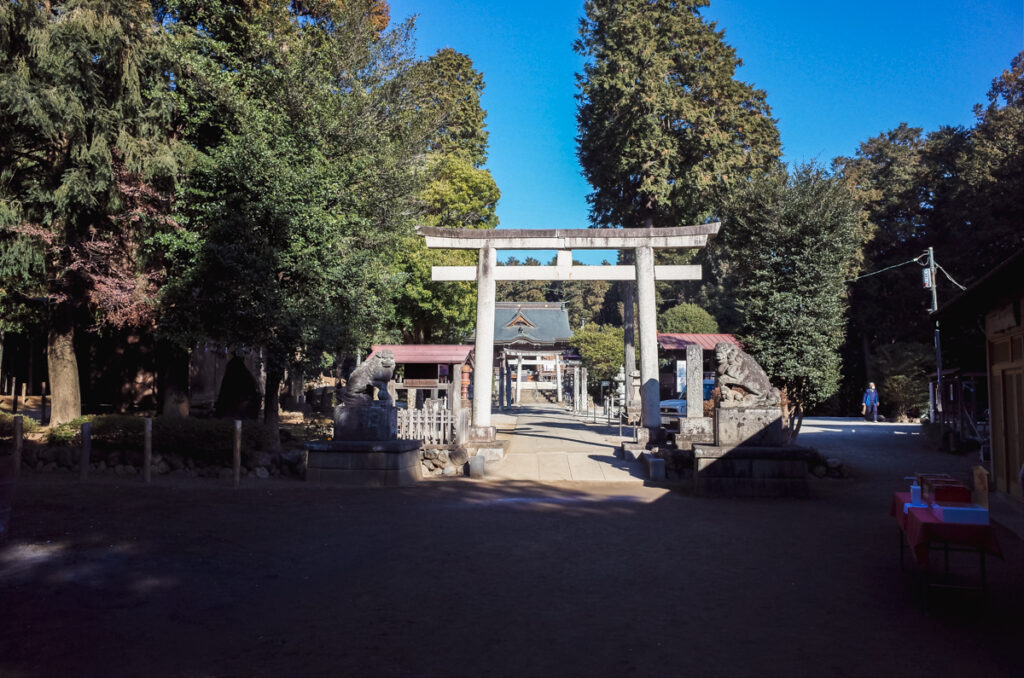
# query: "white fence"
[[434, 426]]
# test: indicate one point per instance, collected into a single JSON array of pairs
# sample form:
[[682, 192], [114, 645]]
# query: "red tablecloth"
[[921, 527]]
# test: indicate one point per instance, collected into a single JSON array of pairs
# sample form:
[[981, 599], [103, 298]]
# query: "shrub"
[[687, 319], [206, 441], [28, 424]]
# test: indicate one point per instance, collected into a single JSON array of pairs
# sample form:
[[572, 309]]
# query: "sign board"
[[681, 377]]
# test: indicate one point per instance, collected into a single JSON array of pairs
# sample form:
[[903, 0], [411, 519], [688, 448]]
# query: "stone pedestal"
[[760, 427], [749, 471], [364, 463], [376, 421]]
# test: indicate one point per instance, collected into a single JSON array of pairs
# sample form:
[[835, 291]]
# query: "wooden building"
[[998, 298]]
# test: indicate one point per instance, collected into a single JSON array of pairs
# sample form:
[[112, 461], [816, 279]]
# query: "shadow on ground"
[[112, 578]]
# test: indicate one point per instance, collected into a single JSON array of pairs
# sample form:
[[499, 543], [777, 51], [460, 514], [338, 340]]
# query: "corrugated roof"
[[678, 342], [441, 354]]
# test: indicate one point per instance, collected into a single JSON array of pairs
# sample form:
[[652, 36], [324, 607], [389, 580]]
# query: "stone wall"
[[287, 464]]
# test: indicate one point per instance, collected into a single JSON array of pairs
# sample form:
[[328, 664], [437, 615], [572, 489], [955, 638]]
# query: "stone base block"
[[377, 421], [365, 477], [476, 467], [760, 427], [742, 471], [654, 468], [481, 434], [364, 463], [491, 450]]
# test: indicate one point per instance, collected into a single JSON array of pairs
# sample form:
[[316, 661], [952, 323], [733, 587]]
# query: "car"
[[673, 408]]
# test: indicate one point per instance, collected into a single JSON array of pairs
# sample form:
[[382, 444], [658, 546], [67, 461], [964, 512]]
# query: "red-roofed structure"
[[678, 342], [426, 353], [428, 371]]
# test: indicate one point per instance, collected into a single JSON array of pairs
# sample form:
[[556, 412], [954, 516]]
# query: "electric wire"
[[889, 268], [950, 277]]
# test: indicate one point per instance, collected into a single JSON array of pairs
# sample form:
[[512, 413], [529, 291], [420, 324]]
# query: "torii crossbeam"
[[643, 241]]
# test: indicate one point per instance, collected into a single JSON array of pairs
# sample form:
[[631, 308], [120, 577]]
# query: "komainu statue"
[[743, 382], [374, 372]]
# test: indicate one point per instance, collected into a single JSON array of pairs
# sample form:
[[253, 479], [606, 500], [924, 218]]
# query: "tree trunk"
[[66, 395], [792, 415], [271, 421], [173, 368]]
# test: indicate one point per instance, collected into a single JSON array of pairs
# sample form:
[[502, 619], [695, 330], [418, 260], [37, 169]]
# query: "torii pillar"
[[642, 240]]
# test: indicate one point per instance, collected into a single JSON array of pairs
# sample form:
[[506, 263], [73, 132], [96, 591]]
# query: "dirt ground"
[[459, 577]]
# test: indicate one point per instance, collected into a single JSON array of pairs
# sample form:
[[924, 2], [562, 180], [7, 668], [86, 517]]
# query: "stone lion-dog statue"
[[375, 372], [743, 383]]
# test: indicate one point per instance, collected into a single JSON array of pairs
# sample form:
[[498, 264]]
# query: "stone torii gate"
[[643, 241]]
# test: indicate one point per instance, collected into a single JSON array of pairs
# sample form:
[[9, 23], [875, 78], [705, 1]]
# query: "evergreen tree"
[[452, 96], [300, 198], [85, 169], [459, 194], [664, 127], [687, 319], [794, 237]]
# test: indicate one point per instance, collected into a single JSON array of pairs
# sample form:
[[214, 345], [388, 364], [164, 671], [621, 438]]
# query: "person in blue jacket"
[[870, 403]]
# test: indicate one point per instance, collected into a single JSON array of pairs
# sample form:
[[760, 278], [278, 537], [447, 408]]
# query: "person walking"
[[869, 405]]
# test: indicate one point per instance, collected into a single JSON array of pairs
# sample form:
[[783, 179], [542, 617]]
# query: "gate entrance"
[[643, 242]]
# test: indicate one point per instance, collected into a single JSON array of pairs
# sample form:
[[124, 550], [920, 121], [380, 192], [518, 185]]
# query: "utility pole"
[[930, 283]]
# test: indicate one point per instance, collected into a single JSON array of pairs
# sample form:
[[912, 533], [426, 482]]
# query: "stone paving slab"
[[548, 444]]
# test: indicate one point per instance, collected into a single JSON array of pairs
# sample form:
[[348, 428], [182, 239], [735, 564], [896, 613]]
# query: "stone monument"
[[751, 455], [366, 450]]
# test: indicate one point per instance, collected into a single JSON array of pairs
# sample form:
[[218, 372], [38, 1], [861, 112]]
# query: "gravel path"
[[500, 578]]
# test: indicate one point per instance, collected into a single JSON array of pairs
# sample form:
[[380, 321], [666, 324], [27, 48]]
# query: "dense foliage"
[[794, 238], [956, 190], [459, 193], [687, 319], [664, 128], [601, 349], [86, 160]]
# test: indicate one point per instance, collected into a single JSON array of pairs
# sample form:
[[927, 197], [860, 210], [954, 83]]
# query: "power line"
[[950, 277], [889, 268]]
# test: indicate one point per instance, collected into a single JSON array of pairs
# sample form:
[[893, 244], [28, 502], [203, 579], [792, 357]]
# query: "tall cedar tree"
[[85, 168], [664, 127], [794, 237], [310, 151]]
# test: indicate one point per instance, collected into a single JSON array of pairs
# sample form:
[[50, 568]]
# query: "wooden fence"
[[434, 426]]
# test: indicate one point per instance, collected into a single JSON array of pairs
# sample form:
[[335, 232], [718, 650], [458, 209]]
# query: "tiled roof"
[[538, 323], [440, 354], [678, 342]]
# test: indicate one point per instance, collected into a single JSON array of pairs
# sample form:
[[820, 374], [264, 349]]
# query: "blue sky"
[[836, 73]]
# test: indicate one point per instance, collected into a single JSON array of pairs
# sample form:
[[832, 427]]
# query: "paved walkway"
[[549, 444]]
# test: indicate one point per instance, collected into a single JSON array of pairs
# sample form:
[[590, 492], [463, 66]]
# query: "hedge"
[[206, 441]]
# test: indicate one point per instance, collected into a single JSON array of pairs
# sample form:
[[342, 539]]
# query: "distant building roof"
[[440, 354], [532, 322], [678, 342]]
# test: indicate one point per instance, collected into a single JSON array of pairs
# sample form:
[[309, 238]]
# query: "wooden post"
[[83, 462], [14, 395], [17, 445], [42, 403], [238, 453], [147, 450]]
